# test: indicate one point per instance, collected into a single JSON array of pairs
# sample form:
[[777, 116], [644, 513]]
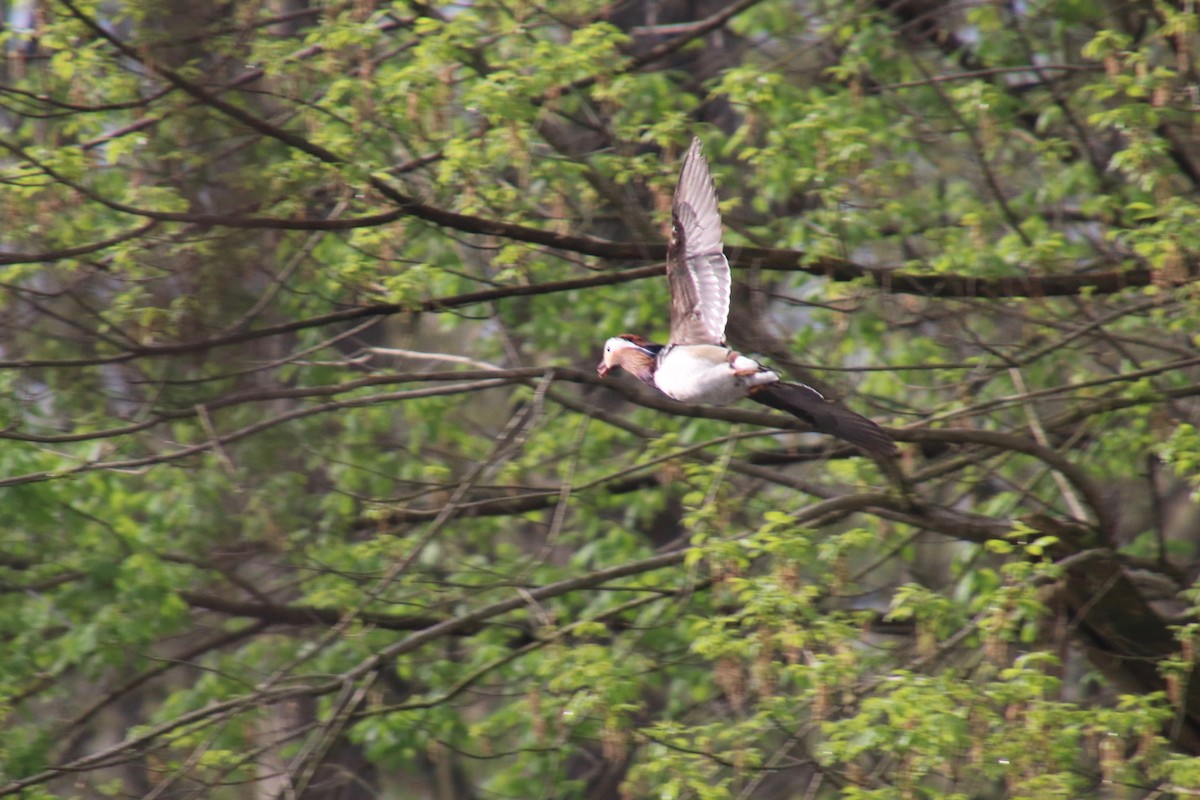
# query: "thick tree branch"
[[51, 256], [304, 615]]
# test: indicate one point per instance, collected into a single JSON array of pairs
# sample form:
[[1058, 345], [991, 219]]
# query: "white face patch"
[[614, 346]]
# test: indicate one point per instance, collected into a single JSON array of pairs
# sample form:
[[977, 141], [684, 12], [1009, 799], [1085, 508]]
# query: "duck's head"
[[629, 352]]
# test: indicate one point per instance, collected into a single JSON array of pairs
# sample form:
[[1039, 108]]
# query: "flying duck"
[[696, 366]]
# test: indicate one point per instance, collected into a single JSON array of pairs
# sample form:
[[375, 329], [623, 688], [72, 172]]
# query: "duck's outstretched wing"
[[696, 265], [825, 416]]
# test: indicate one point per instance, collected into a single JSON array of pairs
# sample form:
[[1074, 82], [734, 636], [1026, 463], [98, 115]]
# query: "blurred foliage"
[[309, 487]]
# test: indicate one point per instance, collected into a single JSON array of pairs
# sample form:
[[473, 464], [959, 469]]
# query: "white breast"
[[702, 373]]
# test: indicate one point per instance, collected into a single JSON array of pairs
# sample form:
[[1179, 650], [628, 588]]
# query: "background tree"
[[310, 488]]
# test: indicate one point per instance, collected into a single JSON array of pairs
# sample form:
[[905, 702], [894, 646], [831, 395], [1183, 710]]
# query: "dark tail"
[[825, 415]]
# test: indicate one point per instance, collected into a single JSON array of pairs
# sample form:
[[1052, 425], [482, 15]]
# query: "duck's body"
[[696, 366], [708, 373]]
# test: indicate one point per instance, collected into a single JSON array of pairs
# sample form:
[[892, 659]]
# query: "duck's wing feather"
[[696, 265], [825, 416]]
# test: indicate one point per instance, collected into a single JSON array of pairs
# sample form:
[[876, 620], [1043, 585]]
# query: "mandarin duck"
[[696, 366]]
